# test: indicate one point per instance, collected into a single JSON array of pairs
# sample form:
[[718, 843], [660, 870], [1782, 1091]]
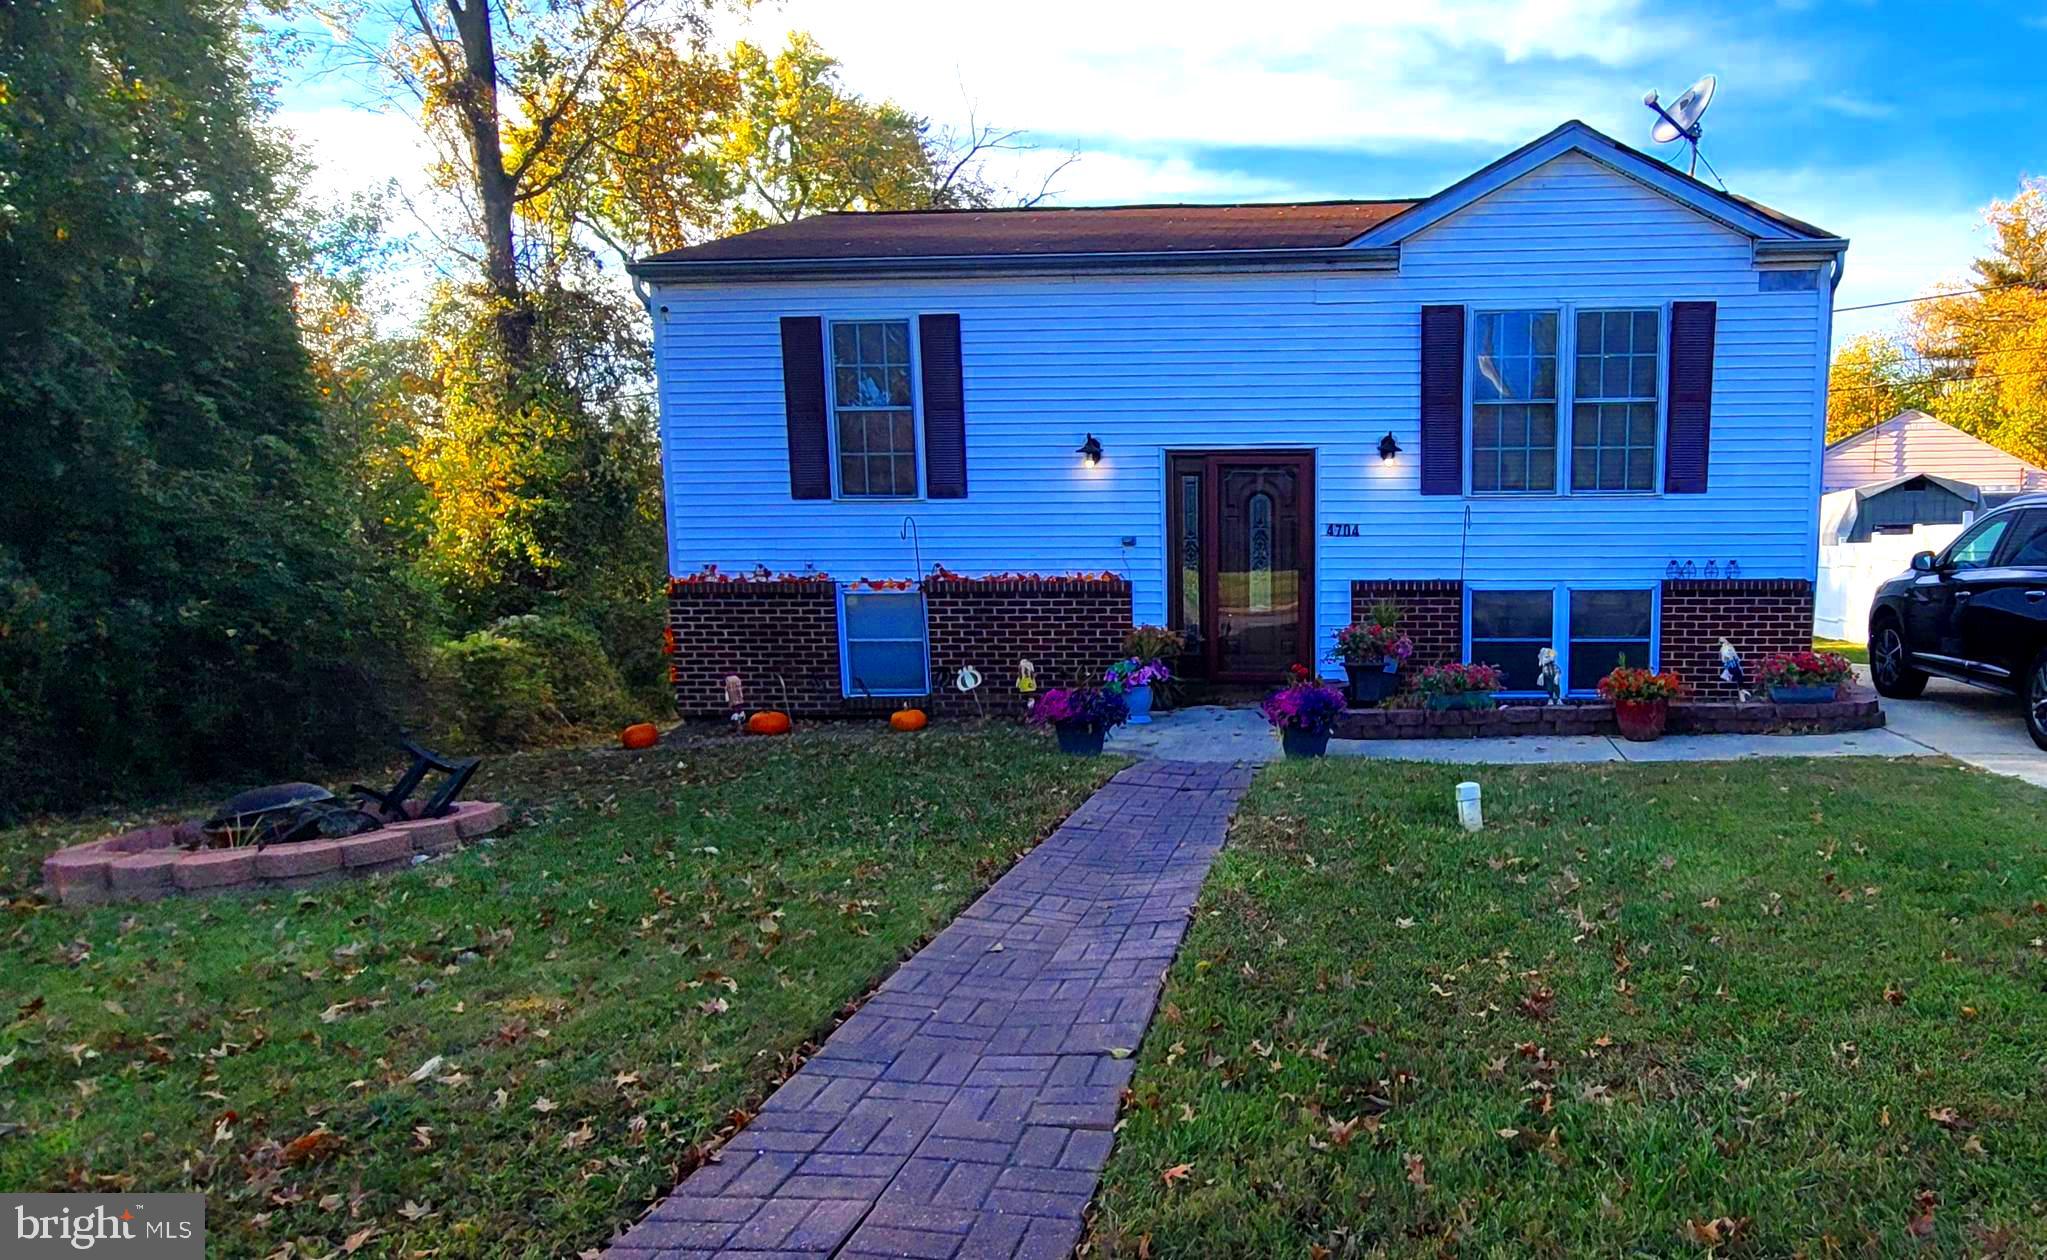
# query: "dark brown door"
[[1243, 557]]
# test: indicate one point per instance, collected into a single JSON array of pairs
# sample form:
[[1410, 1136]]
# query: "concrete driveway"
[[1969, 725]]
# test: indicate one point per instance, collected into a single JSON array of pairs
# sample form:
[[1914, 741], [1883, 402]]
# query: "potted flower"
[[1135, 675], [1081, 716], [1805, 677], [1641, 699], [1459, 686], [1304, 712], [1157, 645], [1372, 653]]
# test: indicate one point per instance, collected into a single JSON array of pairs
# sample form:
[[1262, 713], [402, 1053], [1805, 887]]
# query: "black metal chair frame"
[[392, 803]]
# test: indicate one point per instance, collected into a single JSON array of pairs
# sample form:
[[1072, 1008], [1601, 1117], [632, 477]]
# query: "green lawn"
[[1785, 1008], [514, 1050], [1857, 652]]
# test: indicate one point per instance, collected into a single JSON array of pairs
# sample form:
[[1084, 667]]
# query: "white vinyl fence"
[[1851, 572]]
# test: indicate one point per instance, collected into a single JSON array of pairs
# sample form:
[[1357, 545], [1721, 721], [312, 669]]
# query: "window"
[[883, 648], [1592, 628], [1508, 629], [1974, 549], [873, 416], [1607, 626], [2029, 541], [1514, 402], [1613, 413]]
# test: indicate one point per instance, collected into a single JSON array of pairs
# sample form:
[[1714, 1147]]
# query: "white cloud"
[[358, 149]]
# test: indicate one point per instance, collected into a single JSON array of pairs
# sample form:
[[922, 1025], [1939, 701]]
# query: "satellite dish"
[[1681, 120]]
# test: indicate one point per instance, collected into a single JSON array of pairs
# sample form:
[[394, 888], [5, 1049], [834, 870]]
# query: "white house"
[[1912, 443], [1575, 399]]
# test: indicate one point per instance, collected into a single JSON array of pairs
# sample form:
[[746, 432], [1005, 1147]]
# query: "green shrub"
[[525, 680]]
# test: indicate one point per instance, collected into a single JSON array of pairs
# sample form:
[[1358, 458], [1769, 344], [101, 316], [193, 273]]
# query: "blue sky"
[[1892, 124]]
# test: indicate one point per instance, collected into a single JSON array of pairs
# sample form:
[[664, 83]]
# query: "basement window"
[[884, 643]]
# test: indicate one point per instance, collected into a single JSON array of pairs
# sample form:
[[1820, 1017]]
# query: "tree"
[[1977, 358], [180, 598]]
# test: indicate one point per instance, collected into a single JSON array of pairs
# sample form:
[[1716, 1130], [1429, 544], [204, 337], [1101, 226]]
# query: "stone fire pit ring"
[[147, 864]]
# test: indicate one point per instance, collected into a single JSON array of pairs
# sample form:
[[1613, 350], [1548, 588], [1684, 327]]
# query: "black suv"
[[1977, 613]]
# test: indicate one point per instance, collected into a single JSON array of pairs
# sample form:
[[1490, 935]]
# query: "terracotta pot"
[[1641, 720]]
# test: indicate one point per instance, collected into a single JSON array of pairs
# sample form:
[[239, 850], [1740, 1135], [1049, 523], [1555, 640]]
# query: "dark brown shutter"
[[1689, 432], [945, 408], [1442, 400], [810, 467]]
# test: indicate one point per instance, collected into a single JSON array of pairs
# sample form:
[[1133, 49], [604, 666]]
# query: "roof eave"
[[1209, 261]]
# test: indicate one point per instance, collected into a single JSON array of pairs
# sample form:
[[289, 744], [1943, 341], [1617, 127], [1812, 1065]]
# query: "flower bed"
[[1857, 713], [150, 863]]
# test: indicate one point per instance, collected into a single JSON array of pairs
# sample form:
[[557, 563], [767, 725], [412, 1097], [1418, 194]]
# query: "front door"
[[1243, 582]]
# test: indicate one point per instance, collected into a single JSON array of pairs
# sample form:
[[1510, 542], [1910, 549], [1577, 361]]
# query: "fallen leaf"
[[543, 1105], [424, 1070], [1177, 1173], [1417, 1176]]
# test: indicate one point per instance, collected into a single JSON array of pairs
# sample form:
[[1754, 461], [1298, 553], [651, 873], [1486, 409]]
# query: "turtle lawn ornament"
[[1549, 676]]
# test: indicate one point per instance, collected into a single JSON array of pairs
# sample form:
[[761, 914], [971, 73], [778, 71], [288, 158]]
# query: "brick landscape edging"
[[1856, 713], [146, 864]]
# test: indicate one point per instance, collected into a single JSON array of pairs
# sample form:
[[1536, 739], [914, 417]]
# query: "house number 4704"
[[1340, 529]]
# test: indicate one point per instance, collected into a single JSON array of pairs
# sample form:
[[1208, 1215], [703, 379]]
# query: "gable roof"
[[1061, 230], [1915, 442], [1351, 235]]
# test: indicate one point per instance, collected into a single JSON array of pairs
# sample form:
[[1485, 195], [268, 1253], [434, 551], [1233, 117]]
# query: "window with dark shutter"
[[803, 401], [1442, 418], [945, 412], [1688, 431]]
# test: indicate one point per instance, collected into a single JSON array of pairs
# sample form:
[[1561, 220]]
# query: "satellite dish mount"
[[1681, 120]]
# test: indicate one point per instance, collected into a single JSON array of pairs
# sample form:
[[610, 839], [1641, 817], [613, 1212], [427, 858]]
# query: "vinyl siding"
[[1328, 363], [1915, 442]]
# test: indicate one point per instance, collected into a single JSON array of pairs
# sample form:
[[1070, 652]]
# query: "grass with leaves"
[[513, 1050], [1767, 1008], [1856, 652]]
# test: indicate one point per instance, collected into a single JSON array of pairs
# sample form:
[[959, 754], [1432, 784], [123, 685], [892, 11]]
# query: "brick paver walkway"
[[966, 1109]]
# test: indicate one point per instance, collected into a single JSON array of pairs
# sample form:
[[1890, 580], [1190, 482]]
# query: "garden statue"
[[735, 698], [1549, 676], [1026, 677], [1731, 670], [967, 681]]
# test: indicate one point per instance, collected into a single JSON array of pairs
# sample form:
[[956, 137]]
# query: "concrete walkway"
[[967, 1108], [1208, 733], [1969, 724]]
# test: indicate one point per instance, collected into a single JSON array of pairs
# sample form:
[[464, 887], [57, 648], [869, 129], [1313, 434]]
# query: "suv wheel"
[[1887, 664], [2036, 699]]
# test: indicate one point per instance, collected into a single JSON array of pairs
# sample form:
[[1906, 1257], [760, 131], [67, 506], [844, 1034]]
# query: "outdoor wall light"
[[1388, 448], [1091, 451]]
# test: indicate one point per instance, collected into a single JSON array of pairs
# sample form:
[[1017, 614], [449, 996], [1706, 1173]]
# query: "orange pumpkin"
[[639, 735], [907, 720], [768, 722]]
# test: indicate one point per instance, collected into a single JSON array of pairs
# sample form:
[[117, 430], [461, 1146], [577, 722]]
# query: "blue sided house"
[[1575, 400]]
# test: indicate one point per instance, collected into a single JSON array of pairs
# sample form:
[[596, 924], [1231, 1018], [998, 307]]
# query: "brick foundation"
[[1431, 613], [782, 639], [1758, 616]]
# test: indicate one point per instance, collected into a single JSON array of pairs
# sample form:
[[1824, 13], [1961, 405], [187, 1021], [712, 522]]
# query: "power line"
[[1935, 297], [1933, 380]]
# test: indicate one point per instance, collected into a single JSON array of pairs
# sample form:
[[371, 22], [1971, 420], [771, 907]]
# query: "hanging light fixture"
[[1388, 448], [1091, 451]]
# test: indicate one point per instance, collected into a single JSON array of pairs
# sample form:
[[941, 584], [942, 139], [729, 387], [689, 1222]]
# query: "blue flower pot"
[[1369, 684], [1080, 739], [1819, 693], [1139, 700], [1300, 743]]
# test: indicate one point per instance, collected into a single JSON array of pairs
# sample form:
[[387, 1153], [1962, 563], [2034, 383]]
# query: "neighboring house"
[[1914, 442], [1904, 486], [1539, 407]]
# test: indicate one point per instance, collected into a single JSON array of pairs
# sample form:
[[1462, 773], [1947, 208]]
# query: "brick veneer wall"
[[1431, 613], [1758, 616], [1067, 630], [782, 639]]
